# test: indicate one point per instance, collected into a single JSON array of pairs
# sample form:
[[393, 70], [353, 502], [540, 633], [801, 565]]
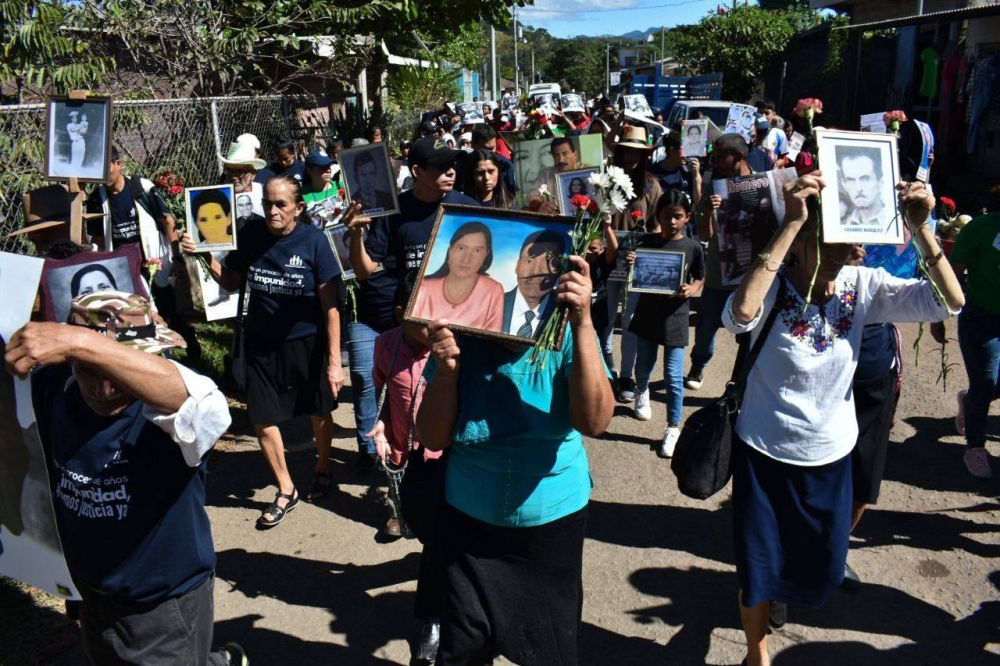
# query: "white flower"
[[543, 189], [600, 180], [618, 201], [621, 181]]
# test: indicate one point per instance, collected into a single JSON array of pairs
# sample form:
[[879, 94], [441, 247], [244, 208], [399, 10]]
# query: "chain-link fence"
[[183, 135]]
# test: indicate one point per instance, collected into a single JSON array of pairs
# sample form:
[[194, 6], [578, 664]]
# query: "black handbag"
[[235, 362], [701, 460]]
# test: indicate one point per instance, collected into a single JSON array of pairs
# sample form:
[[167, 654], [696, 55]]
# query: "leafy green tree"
[[418, 88], [743, 43], [37, 53]]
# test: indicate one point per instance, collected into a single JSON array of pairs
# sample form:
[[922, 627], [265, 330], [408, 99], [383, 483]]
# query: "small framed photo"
[[740, 121], [491, 272], [210, 214], [368, 179], [340, 241], [78, 139], [861, 207], [571, 183], [87, 272], [694, 137], [657, 271]]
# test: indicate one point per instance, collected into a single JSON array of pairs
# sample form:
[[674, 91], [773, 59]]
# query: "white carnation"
[[618, 201], [600, 180]]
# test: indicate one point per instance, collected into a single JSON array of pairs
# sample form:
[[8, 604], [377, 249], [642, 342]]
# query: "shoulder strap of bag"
[[747, 356], [241, 300], [138, 192]]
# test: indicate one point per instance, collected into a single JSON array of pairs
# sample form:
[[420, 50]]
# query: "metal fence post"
[[215, 133]]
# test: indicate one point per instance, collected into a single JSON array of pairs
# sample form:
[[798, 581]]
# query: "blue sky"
[[568, 18]]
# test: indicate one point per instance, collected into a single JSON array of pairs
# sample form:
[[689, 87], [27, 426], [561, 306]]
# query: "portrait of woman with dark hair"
[[461, 290], [91, 278], [212, 216]]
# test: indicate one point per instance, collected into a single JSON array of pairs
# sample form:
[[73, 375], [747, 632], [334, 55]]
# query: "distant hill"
[[640, 35]]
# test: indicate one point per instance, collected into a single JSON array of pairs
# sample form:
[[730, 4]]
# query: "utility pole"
[[663, 56], [517, 72], [493, 64], [607, 70], [533, 66]]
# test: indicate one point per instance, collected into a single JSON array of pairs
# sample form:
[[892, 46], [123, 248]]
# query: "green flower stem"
[[812, 281]]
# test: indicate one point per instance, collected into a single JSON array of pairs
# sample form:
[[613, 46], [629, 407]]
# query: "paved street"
[[324, 587]]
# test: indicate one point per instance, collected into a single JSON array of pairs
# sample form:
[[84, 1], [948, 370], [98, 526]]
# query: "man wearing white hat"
[[240, 164]]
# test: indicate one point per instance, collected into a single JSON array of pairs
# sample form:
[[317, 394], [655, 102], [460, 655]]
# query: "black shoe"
[[695, 378], [852, 582], [364, 463], [779, 614], [430, 639], [234, 654], [626, 390]]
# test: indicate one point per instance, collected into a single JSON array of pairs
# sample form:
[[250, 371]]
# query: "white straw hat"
[[241, 153]]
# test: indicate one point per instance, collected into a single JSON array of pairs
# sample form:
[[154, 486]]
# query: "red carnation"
[[340, 193], [950, 203], [175, 190], [580, 201], [636, 215], [592, 207]]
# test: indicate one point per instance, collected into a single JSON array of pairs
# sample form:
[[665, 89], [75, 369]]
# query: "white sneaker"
[[643, 411], [977, 461], [669, 443], [960, 418]]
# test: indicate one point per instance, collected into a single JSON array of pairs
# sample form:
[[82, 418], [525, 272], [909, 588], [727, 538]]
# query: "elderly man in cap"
[[126, 435]]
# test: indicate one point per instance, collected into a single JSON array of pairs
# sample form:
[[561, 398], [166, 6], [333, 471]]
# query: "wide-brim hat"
[[635, 136], [45, 207], [242, 154], [124, 318]]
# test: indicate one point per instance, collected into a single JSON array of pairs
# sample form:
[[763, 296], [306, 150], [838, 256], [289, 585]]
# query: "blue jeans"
[[673, 375], [979, 338], [615, 293], [710, 307], [361, 348]]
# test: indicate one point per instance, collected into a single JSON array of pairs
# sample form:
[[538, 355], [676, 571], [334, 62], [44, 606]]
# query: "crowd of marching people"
[[483, 448]]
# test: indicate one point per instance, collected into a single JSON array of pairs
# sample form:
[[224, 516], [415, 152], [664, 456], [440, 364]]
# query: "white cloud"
[[567, 10]]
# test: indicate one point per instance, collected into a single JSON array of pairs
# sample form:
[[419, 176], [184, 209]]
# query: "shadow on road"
[[924, 461]]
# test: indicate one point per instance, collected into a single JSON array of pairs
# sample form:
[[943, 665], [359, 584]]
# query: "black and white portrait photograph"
[[78, 139], [368, 178], [860, 207], [341, 243], [740, 121], [657, 271], [694, 137], [63, 280], [573, 183]]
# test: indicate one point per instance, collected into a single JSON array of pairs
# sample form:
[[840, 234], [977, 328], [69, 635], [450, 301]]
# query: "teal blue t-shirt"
[[515, 459]]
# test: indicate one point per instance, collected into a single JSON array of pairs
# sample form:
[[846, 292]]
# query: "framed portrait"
[[210, 217], [657, 271], [861, 207], [78, 139], [367, 176], [535, 162], [740, 121], [340, 241], [694, 137], [65, 279], [219, 304], [571, 183], [491, 272]]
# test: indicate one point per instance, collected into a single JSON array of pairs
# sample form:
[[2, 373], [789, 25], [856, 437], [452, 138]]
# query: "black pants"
[[517, 592], [875, 406], [176, 631]]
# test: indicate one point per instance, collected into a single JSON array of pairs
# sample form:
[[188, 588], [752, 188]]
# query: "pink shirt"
[[482, 309], [402, 398]]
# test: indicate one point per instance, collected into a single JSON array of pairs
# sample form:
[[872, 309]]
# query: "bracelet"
[[764, 258], [920, 226], [933, 261]]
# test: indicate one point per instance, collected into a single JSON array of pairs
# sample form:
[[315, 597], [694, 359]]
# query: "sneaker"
[[695, 378], [626, 389], [669, 443], [977, 461], [643, 411], [233, 654], [430, 640], [960, 418]]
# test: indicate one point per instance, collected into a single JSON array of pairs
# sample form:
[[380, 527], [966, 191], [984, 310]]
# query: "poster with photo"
[[537, 162], [219, 304], [368, 180], [491, 272], [572, 183], [30, 550], [573, 103], [638, 104], [657, 271], [340, 241], [752, 209], [795, 145], [78, 139], [65, 279], [873, 122], [509, 103], [470, 112], [694, 137], [620, 271], [209, 212], [740, 121], [927, 151], [859, 203]]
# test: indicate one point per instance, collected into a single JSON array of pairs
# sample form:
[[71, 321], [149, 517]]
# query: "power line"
[[601, 11]]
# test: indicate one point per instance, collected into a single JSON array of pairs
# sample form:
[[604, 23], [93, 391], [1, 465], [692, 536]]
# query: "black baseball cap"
[[432, 151]]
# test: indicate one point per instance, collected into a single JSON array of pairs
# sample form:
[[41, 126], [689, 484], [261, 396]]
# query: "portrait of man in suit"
[[529, 303]]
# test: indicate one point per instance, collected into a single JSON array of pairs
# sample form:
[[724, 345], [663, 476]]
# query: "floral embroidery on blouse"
[[822, 328]]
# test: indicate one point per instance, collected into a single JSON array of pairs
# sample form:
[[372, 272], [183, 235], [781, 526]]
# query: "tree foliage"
[[39, 53], [412, 87], [742, 43]]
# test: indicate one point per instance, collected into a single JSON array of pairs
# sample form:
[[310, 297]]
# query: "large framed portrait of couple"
[[78, 139], [491, 272], [860, 207], [368, 179]]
